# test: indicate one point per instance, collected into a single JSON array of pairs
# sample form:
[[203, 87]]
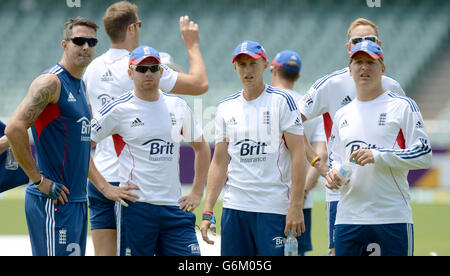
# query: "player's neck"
[[147, 95], [365, 94], [75, 71], [282, 84], [253, 92], [127, 45]]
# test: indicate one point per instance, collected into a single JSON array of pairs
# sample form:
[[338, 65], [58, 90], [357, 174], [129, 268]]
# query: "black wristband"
[[37, 184]]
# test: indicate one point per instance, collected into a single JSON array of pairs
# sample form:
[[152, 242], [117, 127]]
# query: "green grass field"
[[431, 226]]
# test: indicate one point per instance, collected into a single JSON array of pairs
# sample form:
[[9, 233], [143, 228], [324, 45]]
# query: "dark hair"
[[78, 21], [116, 19], [287, 74]]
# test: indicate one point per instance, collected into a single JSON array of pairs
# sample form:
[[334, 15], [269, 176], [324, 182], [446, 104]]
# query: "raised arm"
[[196, 81]]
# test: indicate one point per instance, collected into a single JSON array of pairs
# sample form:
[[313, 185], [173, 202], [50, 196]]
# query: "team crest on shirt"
[[382, 119], [173, 119], [266, 117]]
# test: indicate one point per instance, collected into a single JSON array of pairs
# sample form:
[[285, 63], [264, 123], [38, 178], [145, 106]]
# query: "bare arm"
[[4, 145], [313, 174], [294, 219], [320, 165], [111, 192], [217, 176], [44, 90], [196, 81], [201, 166]]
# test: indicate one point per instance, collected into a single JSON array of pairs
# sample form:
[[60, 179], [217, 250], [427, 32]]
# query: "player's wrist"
[[39, 182], [315, 161]]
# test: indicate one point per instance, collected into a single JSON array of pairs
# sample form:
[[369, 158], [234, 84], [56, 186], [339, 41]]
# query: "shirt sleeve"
[[168, 79], [290, 118], [392, 85], [191, 130], [336, 151], [103, 125], [221, 128], [318, 130], [313, 103], [416, 152]]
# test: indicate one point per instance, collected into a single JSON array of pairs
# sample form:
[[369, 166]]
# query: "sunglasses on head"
[[144, 68], [81, 40], [357, 39]]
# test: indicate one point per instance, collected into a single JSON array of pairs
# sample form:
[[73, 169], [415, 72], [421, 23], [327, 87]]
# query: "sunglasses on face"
[[357, 39], [81, 40], [144, 68]]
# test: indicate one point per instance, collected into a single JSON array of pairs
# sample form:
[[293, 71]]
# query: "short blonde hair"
[[117, 18], [361, 22]]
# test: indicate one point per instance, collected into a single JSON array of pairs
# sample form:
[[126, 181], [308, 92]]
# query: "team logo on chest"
[[173, 119], [266, 117], [382, 119]]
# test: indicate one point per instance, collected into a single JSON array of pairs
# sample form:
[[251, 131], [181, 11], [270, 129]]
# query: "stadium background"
[[416, 42]]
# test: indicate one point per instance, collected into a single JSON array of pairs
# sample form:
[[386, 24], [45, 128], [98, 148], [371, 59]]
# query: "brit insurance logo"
[[85, 129], [358, 144], [160, 150], [279, 242], [105, 98], [251, 151]]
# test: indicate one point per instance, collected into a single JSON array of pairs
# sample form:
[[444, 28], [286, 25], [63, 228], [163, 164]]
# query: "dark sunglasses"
[[144, 68], [357, 39], [81, 40]]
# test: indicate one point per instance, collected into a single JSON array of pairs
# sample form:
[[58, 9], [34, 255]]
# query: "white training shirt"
[[259, 172], [106, 79], [147, 138], [314, 131], [393, 128], [330, 93]]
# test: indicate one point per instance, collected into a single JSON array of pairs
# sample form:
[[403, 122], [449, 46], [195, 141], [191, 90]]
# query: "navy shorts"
[[101, 209], [331, 218], [159, 230], [56, 230], [374, 240], [304, 241], [252, 234]]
